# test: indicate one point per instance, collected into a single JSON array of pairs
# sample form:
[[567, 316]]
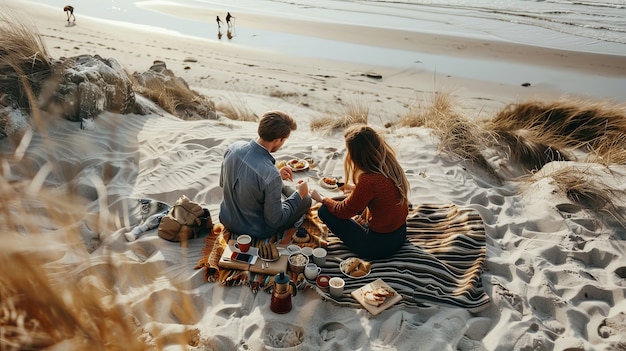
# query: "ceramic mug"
[[307, 251], [319, 256], [243, 242], [335, 286], [311, 271]]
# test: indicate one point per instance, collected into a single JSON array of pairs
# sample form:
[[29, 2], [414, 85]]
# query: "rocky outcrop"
[[85, 86], [173, 94], [81, 88]]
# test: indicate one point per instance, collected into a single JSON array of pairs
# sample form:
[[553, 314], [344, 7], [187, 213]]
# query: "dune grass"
[[579, 183], [539, 132], [173, 94], [24, 61], [459, 137], [48, 298], [355, 112], [236, 111]]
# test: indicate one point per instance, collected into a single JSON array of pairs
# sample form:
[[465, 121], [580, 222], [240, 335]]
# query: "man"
[[219, 23], [69, 11], [228, 17], [253, 187]]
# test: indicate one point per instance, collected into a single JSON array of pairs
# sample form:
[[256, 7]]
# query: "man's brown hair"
[[275, 125]]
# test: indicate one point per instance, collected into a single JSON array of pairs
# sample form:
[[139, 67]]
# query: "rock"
[[373, 75], [85, 86], [180, 100]]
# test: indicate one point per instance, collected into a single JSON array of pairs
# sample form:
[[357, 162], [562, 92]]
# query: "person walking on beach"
[[219, 23], [371, 220], [228, 17], [69, 11], [253, 187]]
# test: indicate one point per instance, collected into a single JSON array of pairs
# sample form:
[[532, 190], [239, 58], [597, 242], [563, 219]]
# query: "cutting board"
[[273, 267], [374, 310]]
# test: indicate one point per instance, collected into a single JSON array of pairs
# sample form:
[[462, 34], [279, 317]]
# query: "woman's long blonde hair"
[[368, 152]]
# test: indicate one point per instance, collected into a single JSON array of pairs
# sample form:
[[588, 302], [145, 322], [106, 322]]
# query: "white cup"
[[319, 256], [243, 242], [311, 271], [293, 249], [335, 286], [307, 251]]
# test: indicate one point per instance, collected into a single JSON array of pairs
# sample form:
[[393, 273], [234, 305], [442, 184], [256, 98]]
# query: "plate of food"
[[376, 296], [329, 182], [269, 252], [298, 164], [355, 267]]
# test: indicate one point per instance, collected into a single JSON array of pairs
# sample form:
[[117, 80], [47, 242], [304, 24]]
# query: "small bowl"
[[322, 280], [292, 249], [307, 251], [297, 267]]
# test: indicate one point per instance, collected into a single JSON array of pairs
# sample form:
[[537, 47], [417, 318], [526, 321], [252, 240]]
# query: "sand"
[[555, 273]]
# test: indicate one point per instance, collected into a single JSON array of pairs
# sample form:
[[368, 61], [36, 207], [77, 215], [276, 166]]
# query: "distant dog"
[[69, 10]]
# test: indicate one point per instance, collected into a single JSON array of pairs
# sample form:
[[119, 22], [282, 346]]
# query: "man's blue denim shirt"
[[252, 187]]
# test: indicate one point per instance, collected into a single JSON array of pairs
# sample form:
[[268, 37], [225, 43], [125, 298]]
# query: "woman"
[[371, 220]]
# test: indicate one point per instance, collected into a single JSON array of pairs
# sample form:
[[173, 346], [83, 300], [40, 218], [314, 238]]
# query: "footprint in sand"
[[282, 335], [217, 343], [614, 326], [333, 331]]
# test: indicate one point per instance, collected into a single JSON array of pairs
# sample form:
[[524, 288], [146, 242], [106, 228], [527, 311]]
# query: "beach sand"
[[555, 272]]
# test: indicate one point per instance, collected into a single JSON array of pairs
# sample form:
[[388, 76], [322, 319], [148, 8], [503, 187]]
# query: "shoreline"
[[464, 59], [454, 66], [421, 41]]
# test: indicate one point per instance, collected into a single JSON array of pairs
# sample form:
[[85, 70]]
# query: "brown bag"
[[185, 220]]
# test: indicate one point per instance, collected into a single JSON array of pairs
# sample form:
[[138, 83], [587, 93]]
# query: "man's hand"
[[303, 188], [286, 173]]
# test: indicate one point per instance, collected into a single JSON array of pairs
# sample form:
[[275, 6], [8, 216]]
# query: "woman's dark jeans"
[[361, 240]]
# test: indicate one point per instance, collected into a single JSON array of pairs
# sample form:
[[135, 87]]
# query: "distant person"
[[255, 200], [228, 17], [229, 33], [371, 220], [219, 22], [69, 10]]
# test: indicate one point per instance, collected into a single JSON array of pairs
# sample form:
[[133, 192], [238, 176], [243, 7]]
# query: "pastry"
[[330, 181], [377, 296], [297, 239]]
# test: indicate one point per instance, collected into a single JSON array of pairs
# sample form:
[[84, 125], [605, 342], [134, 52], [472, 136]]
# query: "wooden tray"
[[374, 310], [272, 268]]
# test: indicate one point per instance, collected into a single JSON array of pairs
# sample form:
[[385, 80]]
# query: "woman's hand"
[[286, 173], [347, 188], [315, 195]]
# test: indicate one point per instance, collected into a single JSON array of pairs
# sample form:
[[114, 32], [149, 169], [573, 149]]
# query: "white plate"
[[326, 185], [290, 165], [343, 264]]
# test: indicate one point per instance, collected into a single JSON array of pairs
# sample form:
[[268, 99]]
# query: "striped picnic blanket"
[[441, 263]]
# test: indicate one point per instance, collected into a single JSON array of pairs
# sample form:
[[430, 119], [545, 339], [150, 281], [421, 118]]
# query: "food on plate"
[[377, 296], [330, 181], [281, 164], [268, 251], [295, 163], [355, 267]]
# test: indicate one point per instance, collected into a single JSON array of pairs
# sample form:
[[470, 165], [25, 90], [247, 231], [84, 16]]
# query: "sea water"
[[596, 26]]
